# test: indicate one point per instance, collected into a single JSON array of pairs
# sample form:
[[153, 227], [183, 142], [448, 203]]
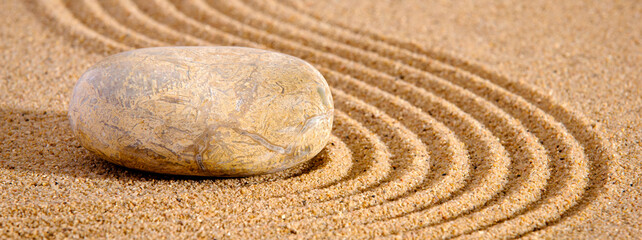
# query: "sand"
[[466, 119]]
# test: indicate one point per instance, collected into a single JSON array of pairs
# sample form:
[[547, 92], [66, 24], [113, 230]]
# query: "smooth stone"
[[206, 111]]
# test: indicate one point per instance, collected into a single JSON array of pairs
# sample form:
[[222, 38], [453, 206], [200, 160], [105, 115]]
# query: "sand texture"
[[453, 119]]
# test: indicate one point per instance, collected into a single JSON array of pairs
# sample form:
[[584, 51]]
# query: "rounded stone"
[[207, 111]]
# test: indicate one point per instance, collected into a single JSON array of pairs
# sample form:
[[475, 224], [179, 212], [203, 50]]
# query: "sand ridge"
[[427, 144]]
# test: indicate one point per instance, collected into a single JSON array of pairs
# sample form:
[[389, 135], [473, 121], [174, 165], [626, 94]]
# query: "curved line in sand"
[[203, 7], [307, 25], [246, 19], [417, 169], [378, 172], [383, 57], [379, 165], [213, 17], [99, 20], [55, 14], [604, 159]]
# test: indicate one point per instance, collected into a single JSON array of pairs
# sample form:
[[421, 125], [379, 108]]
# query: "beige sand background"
[[465, 119]]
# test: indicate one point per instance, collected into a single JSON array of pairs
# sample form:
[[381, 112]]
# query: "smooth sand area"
[[473, 119]]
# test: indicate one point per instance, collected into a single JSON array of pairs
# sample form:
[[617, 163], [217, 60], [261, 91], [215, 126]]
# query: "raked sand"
[[474, 119]]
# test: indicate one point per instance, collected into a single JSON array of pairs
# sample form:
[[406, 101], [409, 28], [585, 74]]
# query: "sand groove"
[[577, 123], [426, 144]]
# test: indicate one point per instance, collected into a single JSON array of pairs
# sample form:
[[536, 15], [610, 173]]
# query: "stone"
[[205, 111]]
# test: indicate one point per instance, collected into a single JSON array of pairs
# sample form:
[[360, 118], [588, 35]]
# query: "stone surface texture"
[[206, 111]]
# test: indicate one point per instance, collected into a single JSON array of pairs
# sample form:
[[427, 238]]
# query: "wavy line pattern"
[[426, 144]]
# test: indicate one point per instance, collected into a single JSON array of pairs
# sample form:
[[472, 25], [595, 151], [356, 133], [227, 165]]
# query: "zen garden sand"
[[453, 119]]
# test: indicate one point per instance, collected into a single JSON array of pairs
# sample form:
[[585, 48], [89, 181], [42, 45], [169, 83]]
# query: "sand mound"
[[426, 143]]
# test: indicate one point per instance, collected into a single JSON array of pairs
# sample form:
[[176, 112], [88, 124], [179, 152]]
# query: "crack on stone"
[[307, 124], [199, 161], [313, 120], [264, 142]]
